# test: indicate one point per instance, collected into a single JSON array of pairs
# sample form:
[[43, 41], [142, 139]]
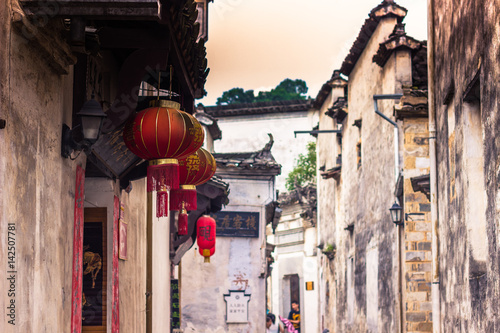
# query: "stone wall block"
[[426, 306], [424, 246], [415, 236], [410, 226], [424, 327], [415, 276], [426, 286], [409, 162], [416, 316], [415, 256]]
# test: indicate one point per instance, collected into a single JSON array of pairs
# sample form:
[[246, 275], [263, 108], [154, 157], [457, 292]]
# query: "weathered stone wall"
[[466, 45], [37, 186], [238, 264], [328, 148], [417, 304], [368, 193], [360, 289]]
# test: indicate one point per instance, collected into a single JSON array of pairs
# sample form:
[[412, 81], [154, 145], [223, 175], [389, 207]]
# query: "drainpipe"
[[396, 175], [396, 131], [436, 307]]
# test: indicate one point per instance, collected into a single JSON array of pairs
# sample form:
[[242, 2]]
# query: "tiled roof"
[[335, 81], [386, 9], [414, 103], [210, 122], [422, 184], [398, 39], [244, 109], [249, 161], [338, 110], [306, 196], [332, 173]]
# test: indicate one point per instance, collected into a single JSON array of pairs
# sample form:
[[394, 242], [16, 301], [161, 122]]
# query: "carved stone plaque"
[[237, 306]]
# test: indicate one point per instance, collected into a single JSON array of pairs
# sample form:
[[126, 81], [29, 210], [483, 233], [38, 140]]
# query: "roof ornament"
[[269, 145]]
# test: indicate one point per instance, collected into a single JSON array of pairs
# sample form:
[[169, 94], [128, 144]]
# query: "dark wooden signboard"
[[175, 313], [237, 224]]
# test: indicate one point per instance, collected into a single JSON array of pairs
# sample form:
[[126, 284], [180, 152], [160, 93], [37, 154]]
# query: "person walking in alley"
[[294, 315], [271, 325]]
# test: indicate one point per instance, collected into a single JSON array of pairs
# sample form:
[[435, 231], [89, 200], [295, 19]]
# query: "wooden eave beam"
[[116, 38], [186, 82], [94, 9]]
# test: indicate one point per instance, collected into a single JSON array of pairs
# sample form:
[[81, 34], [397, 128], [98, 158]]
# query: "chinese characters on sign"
[[237, 306], [175, 320], [237, 224]]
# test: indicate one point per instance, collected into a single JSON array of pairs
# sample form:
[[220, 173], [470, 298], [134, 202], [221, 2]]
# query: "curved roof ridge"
[[388, 8]]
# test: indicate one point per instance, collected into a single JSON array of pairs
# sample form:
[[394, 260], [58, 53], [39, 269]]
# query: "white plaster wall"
[[238, 263], [132, 272], [329, 210], [304, 264], [37, 187], [310, 297], [249, 133]]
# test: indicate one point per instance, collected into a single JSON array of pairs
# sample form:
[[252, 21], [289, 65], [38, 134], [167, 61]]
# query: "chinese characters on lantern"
[[205, 232], [237, 224]]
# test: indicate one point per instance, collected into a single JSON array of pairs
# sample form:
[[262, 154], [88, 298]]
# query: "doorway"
[[94, 270]]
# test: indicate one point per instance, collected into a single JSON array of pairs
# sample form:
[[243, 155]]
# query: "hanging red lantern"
[[196, 169], [206, 235], [161, 134], [206, 253]]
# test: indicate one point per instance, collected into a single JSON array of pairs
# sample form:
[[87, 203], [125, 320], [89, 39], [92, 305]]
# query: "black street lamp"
[[396, 211], [92, 117]]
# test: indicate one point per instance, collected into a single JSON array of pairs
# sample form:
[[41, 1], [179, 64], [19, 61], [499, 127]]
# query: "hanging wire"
[[159, 83], [171, 79]]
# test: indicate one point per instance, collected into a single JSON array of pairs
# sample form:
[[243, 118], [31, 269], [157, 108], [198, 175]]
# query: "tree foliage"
[[304, 171], [286, 90]]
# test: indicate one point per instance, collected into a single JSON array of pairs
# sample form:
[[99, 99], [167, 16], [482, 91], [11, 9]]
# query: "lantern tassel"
[[185, 195], [161, 204], [206, 254], [163, 174], [182, 228]]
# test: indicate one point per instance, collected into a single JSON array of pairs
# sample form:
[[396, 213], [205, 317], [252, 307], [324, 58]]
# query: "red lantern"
[[194, 170], [162, 134], [207, 253], [206, 235]]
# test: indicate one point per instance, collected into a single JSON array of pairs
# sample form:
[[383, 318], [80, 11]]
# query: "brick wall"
[[417, 255]]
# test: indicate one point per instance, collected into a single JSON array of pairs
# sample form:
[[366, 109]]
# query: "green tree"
[[286, 90], [236, 95], [305, 169]]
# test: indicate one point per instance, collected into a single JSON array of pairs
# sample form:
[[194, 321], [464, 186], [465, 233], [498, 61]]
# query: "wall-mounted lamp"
[[92, 116], [396, 211]]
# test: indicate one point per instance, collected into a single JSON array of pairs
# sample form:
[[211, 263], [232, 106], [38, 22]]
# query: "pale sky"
[[255, 44]]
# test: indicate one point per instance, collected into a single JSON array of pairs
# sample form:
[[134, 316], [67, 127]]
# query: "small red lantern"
[[194, 170], [206, 236], [162, 134]]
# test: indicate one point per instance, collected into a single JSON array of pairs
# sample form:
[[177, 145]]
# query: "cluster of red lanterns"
[[171, 140], [194, 170]]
